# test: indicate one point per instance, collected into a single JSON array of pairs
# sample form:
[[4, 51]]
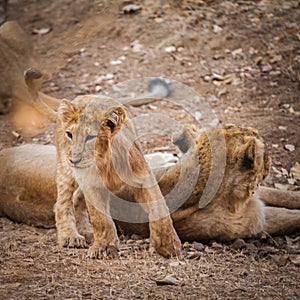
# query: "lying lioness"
[[16, 56], [28, 191]]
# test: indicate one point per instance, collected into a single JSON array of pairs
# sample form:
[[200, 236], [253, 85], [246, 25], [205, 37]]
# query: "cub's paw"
[[85, 228], [166, 243], [108, 251], [168, 248], [89, 236], [72, 241]]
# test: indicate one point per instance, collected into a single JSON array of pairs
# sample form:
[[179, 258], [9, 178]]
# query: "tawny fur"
[[223, 218], [83, 118], [28, 190], [16, 56], [84, 138]]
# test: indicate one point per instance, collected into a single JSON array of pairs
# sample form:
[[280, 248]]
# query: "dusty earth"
[[243, 57]]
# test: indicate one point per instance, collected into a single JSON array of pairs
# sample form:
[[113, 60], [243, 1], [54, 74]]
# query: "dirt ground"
[[243, 57]]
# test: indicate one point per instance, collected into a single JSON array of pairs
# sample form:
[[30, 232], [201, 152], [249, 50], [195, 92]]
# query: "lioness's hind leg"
[[281, 220], [279, 198], [67, 233]]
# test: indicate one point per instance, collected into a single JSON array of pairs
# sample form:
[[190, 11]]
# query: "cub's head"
[[81, 122]]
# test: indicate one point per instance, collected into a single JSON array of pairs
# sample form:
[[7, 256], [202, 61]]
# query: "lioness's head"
[[247, 163], [247, 150], [233, 161], [82, 121]]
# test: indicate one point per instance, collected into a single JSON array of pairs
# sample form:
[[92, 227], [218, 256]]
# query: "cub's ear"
[[115, 118], [252, 154], [66, 111]]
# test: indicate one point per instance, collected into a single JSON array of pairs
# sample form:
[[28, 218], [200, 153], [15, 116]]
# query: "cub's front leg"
[[67, 233], [83, 223], [163, 236], [106, 241]]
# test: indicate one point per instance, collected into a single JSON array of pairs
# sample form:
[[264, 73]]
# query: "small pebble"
[[239, 244]]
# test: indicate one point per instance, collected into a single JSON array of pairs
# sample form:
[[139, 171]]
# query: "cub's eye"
[[69, 135], [111, 125], [90, 137]]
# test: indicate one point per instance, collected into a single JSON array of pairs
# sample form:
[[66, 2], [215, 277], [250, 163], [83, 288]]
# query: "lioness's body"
[[16, 55], [15, 58]]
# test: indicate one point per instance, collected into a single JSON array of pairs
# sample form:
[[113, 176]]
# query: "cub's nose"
[[75, 161]]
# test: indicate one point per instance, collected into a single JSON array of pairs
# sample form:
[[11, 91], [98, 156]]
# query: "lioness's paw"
[[108, 251], [74, 241]]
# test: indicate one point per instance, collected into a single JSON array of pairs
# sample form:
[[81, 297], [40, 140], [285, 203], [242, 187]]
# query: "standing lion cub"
[[96, 149]]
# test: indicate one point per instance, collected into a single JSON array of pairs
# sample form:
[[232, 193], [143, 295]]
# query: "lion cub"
[[96, 150]]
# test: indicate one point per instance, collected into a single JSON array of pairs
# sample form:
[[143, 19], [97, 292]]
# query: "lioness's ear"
[[185, 138], [267, 163], [252, 153], [115, 118], [66, 110]]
